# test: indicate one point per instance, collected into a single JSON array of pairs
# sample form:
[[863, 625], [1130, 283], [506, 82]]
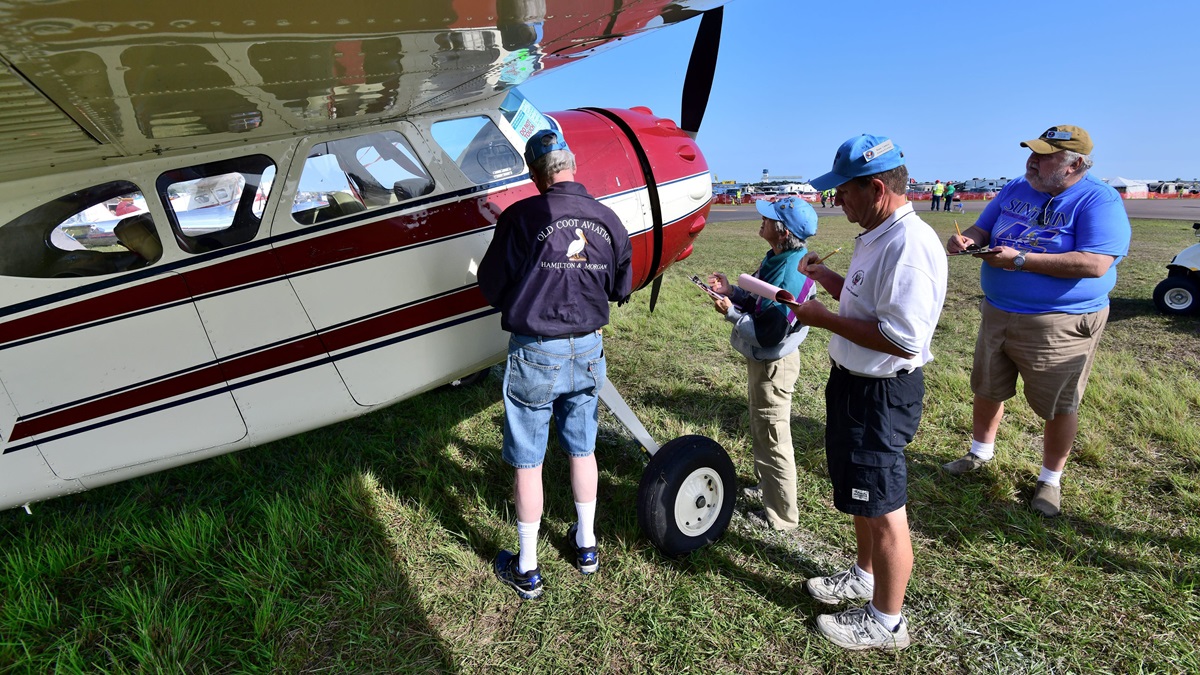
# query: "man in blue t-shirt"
[[1055, 239]]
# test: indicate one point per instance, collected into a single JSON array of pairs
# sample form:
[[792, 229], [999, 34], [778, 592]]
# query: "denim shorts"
[[551, 376]]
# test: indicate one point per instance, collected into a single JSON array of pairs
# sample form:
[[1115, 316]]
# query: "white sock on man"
[[1049, 477], [527, 537], [888, 621], [585, 536], [863, 574], [984, 451]]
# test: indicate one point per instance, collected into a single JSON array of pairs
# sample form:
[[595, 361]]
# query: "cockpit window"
[[103, 229], [212, 206], [356, 174], [478, 148]]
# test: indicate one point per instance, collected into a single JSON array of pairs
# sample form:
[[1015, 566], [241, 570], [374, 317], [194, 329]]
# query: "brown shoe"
[[965, 464], [1047, 499]]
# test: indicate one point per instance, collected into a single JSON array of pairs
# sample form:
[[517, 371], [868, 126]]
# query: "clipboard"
[[975, 251], [706, 288]]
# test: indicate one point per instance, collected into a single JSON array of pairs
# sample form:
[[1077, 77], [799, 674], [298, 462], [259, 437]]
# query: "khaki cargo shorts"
[[1052, 352]]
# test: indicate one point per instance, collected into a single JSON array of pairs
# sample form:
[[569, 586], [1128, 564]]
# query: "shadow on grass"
[[279, 555], [969, 509]]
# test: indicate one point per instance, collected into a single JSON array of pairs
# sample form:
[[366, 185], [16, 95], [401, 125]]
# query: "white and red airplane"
[[221, 226]]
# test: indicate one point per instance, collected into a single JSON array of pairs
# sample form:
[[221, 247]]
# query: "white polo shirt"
[[897, 279]]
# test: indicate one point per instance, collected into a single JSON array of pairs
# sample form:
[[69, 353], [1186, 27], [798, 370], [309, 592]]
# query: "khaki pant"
[[769, 390]]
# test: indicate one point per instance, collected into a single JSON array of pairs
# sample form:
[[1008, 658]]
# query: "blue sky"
[[957, 85]]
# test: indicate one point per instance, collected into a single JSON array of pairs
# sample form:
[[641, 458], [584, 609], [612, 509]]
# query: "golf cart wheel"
[[686, 496], [1176, 295]]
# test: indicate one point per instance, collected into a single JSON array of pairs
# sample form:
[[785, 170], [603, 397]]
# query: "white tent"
[[1132, 189]]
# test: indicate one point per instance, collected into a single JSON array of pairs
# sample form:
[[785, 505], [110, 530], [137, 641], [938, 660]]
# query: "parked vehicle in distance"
[[1177, 294]]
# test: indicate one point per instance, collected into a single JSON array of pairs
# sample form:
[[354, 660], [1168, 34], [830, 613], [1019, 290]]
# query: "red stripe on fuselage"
[[384, 325]]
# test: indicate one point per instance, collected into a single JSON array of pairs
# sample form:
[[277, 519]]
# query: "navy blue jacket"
[[555, 263]]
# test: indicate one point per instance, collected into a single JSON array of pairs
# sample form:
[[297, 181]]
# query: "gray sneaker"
[[965, 464], [856, 629], [753, 494], [841, 587], [1047, 499]]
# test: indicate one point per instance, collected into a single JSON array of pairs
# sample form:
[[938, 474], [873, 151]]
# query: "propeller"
[[697, 84]]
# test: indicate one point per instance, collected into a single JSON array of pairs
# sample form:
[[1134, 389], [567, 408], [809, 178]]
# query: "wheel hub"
[[698, 503]]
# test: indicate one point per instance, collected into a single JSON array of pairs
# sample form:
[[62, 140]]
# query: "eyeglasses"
[[1046, 214]]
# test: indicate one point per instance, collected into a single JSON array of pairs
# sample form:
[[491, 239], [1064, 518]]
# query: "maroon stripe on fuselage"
[[384, 325], [163, 290], [191, 381], [404, 319]]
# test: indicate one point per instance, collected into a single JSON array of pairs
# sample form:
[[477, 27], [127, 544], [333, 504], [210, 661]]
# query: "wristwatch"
[[1019, 261]]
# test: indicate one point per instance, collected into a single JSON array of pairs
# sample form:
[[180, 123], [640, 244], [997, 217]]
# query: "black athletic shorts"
[[869, 421]]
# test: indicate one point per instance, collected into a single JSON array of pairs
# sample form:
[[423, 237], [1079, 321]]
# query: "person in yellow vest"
[[938, 189]]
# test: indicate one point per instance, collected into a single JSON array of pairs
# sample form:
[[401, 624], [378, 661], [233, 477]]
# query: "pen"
[[830, 254]]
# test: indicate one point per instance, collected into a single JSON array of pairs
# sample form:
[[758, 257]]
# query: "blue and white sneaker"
[[587, 560], [528, 585]]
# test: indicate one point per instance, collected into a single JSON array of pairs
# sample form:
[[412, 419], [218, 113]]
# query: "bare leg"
[[527, 492], [584, 478], [1058, 437], [866, 545], [892, 558], [985, 419]]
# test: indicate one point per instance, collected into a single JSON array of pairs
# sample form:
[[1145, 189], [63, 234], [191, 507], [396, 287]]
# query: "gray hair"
[[1072, 156], [553, 162], [895, 180], [787, 241]]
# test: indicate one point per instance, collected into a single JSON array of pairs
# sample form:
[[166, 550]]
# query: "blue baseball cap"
[[864, 155], [795, 214], [543, 143]]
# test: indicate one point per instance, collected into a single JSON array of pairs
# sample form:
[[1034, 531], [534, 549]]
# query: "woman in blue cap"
[[768, 335]]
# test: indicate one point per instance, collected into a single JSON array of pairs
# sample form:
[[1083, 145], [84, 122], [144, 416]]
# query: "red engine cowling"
[[620, 153]]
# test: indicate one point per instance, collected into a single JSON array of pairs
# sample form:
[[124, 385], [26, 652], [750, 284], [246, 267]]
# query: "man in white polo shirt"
[[890, 301]]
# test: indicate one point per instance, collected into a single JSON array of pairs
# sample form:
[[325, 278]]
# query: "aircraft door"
[[102, 351], [276, 368], [382, 254]]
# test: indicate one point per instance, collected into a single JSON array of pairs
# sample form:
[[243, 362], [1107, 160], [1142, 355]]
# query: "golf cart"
[[1180, 291]]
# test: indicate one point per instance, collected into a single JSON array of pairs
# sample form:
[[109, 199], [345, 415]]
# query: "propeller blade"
[[654, 291], [697, 84]]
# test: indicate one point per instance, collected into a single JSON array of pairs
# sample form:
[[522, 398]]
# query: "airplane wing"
[[84, 82]]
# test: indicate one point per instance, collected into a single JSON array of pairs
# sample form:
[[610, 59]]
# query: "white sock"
[[527, 536], [1050, 477], [889, 621], [863, 574], [984, 451], [585, 536]]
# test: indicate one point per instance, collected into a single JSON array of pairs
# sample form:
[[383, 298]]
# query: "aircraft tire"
[[686, 495], [1176, 295], [468, 380]]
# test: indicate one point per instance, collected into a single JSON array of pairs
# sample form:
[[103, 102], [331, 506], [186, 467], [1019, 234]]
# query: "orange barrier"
[[1155, 195]]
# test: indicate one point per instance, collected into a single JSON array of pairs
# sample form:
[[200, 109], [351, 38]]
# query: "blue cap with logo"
[[864, 155], [795, 214], [542, 143]]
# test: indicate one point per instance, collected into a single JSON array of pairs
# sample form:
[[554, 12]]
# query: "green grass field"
[[365, 547]]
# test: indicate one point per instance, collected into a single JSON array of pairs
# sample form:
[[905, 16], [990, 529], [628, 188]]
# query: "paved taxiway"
[[1165, 209]]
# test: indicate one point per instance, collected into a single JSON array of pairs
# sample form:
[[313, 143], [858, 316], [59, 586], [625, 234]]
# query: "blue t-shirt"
[[1089, 216]]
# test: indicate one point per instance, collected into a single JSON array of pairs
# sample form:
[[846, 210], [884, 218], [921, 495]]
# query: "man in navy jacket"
[[556, 261]]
